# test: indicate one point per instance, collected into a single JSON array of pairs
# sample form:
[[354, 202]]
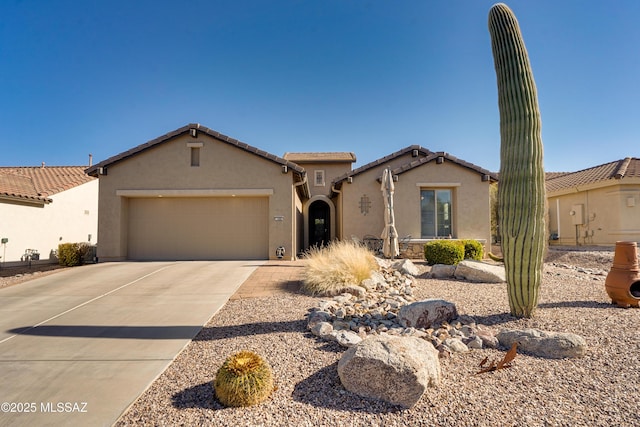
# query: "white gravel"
[[600, 389]]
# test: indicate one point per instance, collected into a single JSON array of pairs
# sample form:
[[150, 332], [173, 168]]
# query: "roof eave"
[[40, 201], [192, 127]]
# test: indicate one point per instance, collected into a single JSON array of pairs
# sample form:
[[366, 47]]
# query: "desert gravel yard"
[[600, 389]]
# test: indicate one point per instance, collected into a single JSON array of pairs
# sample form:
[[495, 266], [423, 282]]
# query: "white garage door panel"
[[198, 228]]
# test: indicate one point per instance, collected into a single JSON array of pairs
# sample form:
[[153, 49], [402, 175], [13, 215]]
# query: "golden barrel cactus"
[[244, 379], [521, 191]]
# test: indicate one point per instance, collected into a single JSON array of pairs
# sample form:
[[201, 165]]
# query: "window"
[[436, 213], [195, 156], [318, 178]]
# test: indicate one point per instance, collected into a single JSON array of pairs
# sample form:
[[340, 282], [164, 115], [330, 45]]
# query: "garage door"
[[166, 228]]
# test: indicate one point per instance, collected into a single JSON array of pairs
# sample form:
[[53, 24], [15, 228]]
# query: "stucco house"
[[595, 206], [197, 194], [44, 206]]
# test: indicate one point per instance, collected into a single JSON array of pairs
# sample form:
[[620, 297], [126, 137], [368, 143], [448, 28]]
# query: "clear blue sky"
[[368, 76]]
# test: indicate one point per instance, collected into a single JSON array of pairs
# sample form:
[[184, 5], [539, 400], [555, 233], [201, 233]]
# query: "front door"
[[319, 223]]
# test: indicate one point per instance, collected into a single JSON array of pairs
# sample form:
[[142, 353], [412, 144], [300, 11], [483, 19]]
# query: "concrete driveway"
[[79, 346]]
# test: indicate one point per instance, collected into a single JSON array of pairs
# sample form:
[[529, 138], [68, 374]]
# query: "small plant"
[[337, 266], [449, 252], [473, 250], [244, 379], [72, 254]]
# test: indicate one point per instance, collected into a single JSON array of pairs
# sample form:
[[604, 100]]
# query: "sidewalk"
[[272, 278]]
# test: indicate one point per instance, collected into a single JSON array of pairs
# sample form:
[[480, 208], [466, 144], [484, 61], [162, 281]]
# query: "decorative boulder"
[[397, 370], [552, 345], [406, 266], [477, 271], [442, 271], [427, 313]]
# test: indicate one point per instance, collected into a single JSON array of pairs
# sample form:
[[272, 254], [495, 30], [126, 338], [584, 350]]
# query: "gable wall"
[[471, 214], [471, 201]]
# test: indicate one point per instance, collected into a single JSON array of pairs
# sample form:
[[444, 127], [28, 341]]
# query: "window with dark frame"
[[436, 213]]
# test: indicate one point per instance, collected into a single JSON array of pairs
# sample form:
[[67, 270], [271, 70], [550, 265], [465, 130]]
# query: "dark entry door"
[[319, 223]]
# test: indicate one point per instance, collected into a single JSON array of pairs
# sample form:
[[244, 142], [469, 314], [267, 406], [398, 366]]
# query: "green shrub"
[[244, 379], [72, 254], [473, 250], [448, 252]]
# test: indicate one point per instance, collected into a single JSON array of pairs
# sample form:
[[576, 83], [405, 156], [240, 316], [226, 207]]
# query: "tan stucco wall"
[[167, 167], [331, 171], [70, 218], [471, 210], [610, 214]]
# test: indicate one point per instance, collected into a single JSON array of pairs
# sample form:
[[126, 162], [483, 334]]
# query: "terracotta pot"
[[623, 281]]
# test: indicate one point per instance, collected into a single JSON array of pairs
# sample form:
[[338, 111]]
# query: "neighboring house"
[[41, 207], [595, 206], [197, 194]]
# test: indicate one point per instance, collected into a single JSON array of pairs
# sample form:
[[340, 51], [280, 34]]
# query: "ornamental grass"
[[337, 266]]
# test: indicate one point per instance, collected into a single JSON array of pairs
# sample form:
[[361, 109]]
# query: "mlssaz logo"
[[63, 407]]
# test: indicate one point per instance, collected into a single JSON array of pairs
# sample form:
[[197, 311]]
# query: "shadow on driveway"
[[197, 333]]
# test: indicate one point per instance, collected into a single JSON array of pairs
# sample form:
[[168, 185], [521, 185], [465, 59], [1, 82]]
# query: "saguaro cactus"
[[521, 192]]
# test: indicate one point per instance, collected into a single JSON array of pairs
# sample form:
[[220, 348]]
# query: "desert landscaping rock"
[[456, 345], [442, 271], [553, 345], [427, 313], [347, 338], [477, 271], [378, 312], [397, 370], [405, 266]]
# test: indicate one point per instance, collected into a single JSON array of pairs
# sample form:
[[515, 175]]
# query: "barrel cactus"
[[244, 379], [521, 191]]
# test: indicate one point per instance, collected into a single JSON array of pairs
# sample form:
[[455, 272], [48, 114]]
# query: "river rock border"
[[372, 308]]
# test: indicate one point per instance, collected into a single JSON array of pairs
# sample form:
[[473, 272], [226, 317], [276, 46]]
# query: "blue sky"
[[368, 76]]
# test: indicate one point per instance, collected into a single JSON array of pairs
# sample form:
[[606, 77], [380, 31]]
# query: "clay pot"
[[623, 281]]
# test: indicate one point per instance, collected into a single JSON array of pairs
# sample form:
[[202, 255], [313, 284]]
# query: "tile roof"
[[551, 175], [93, 170], [619, 169], [428, 156], [39, 183], [381, 161], [490, 176], [329, 157]]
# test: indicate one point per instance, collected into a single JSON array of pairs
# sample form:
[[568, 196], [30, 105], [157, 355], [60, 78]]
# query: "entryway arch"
[[319, 221]]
